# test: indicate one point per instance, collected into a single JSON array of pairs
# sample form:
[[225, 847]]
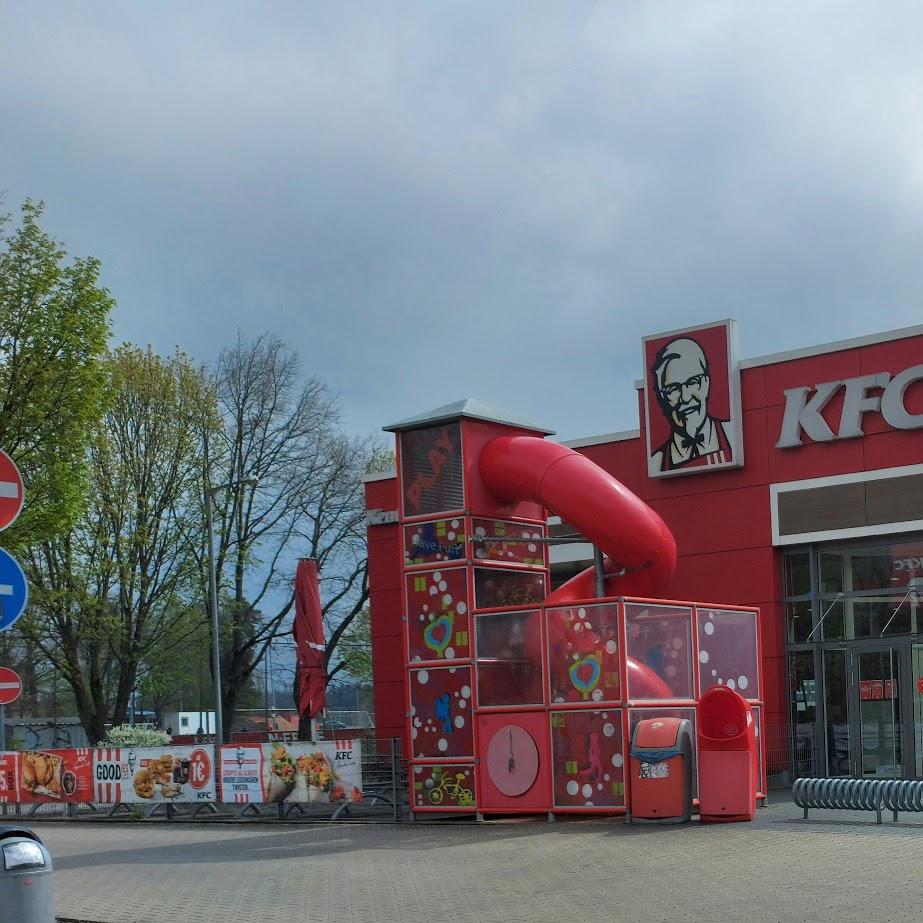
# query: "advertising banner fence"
[[152, 775], [8, 776], [47, 776], [322, 773], [63, 776], [326, 772]]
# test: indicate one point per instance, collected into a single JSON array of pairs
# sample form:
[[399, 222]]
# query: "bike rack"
[[859, 795]]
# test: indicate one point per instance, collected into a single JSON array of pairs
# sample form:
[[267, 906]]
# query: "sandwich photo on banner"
[[692, 401]]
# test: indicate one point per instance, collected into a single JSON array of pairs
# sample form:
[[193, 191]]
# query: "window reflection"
[[877, 567], [870, 617]]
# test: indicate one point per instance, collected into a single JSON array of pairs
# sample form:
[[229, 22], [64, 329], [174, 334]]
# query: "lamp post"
[[213, 600]]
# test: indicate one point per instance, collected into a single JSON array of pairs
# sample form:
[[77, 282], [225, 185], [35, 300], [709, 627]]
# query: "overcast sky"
[[496, 200]]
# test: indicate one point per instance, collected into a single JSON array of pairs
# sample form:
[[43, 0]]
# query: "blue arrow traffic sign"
[[14, 590]]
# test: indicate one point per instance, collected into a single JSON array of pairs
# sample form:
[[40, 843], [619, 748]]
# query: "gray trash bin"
[[26, 878]]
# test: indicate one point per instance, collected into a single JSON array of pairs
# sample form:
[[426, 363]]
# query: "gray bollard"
[[26, 878]]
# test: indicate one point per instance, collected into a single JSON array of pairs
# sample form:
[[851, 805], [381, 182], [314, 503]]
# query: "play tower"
[[520, 699]]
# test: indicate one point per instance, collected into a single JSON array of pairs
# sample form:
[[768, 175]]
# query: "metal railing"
[[789, 753]]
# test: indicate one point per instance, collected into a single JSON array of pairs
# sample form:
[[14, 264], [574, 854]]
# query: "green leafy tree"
[[114, 590], [54, 323], [354, 650]]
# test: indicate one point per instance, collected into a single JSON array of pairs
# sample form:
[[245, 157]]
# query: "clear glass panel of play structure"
[[758, 730], [495, 587], [659, 651], [509, 542], [583, 654], [437, 614], [436, 542], [440, 788], [509, 658], [640, 714], [440, 712], [728, 651], [431, 470], [588, 757]]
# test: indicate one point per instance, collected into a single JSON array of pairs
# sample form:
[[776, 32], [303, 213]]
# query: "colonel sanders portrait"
[[682, 384]]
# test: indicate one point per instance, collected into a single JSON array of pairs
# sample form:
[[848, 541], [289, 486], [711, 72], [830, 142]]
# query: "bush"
[[130, 735]]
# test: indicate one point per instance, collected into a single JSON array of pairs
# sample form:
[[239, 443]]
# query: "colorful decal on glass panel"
[[588, 758], [437, 614], [444, 786], [660, 638], [519, 543], [440, 712], [431, 470], [584, 654], [728, 651], [434, 542]]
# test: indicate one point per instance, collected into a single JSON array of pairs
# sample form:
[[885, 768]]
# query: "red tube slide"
[[639, 548]]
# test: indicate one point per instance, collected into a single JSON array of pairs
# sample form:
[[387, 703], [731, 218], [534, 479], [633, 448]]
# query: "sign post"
[[10, 690], [14, 590], [11, 491]]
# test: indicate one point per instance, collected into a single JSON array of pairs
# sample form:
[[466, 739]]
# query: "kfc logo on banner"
[[692, 400]]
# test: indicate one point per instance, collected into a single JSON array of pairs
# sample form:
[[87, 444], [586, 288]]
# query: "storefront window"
[[831, 573], [798, 620], [870, 617], [836, 697], [877, 567], [797, 574], [803, 690], [833, 624]]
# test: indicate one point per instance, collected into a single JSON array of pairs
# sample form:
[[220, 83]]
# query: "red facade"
[[721, 519]]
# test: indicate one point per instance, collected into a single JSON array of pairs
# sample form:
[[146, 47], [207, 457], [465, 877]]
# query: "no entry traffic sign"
[[10, 686], [14, 591], [11, 491]]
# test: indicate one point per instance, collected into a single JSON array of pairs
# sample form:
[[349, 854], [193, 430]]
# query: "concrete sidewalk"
[[836, 866]]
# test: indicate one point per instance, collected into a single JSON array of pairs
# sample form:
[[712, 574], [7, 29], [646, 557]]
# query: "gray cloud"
[[497, 200]]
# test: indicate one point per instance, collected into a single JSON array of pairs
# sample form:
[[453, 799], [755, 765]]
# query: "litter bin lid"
[[656, 733], [11, 830], [725, 718]]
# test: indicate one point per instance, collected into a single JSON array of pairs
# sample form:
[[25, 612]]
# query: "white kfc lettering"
[[803, 413]]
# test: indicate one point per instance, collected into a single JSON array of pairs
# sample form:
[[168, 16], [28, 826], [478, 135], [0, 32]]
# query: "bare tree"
[[291, 488]]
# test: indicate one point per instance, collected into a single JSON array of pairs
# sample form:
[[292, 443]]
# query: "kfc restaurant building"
[[792, 482]]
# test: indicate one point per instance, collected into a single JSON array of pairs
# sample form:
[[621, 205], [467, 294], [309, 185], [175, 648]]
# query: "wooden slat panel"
[[894, 499], [840, 506]]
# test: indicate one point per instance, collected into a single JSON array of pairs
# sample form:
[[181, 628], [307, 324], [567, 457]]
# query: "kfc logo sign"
[[878, 393], [692, 401]]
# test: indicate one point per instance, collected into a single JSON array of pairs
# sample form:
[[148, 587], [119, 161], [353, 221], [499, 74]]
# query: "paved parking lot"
[[835, 867]]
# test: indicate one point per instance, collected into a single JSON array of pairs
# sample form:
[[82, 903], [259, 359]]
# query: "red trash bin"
[[727, 757], [661, 771]]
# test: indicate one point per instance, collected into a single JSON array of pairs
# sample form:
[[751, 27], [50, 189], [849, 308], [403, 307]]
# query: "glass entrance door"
[[878, 730]]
